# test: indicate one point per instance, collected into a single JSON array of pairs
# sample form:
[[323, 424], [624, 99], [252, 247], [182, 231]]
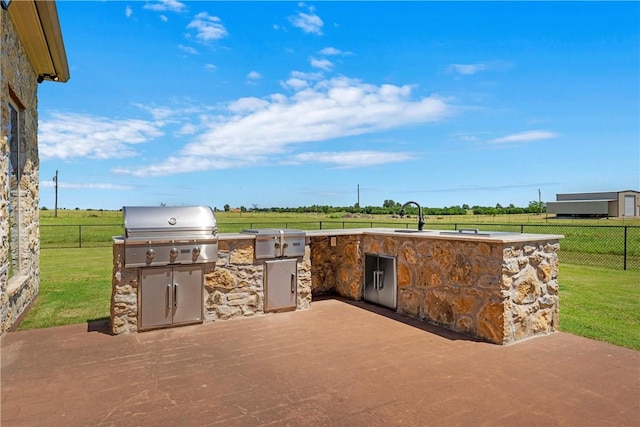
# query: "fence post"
[[320, 225], [80, 236], [521, 228], [625, 248]]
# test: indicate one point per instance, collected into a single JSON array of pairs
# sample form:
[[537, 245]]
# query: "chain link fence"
[[614, 247], [78, 236]]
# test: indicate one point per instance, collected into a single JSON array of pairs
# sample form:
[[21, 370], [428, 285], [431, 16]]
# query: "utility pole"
[[358, 196], [55, 183], [539, 202]]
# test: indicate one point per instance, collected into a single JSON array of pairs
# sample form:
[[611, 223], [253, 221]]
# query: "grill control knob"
[[196, 251], [173, 252], [151, 253]]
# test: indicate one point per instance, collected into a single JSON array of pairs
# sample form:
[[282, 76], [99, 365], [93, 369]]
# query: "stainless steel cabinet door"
[[387, 289], [370, 278], [380, 285], [156, 297], [281, 284], [187, 294]]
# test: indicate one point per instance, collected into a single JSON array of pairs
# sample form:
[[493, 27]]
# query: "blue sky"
[[294, 104]]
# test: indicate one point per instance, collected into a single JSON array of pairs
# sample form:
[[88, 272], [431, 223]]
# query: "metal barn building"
[[613, 204]]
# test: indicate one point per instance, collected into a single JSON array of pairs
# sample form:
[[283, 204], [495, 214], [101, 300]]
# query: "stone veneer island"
[[499, 288]]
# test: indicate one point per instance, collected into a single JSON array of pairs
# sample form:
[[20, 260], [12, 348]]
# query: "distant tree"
[[536, 207], [227, 208], [254, 207], [389, 204], [465, 206], [243, 209]]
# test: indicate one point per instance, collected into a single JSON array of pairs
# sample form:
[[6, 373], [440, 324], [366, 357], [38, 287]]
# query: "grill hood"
[[163, 235], [152, 223]]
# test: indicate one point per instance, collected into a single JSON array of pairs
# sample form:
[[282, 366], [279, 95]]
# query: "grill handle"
[[282, 244], [293, 283], [169, 304]]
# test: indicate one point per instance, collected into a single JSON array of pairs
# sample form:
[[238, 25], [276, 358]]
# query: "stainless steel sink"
[[478, 233]]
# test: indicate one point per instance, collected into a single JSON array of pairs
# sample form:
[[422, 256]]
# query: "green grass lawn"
[[75, 286], [597, 303], [601, 304]]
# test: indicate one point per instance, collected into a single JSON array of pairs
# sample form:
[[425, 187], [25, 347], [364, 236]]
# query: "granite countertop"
[[486, 236], [481, 236], [236, 236]]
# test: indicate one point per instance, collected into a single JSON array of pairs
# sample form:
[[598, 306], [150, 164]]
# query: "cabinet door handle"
[[169, 304], [378, 283], [293, 283], [175, 294]]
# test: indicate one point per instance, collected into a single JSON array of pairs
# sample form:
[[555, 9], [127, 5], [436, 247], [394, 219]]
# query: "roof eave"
[[38, 25]]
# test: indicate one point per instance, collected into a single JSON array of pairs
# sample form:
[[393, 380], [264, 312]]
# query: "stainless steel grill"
[[280, 248], [278, 243], [163, 235]]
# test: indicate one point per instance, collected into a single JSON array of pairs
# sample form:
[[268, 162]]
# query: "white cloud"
[[254, 75], [466, 69], [163, 18], [353, 159], [188, 49], [532, 135], [248, 105], [210, 67], [158, 113], [295, 83], [187, 129], [309, 23], [67, 135], [267, 128], [128, 11], [166, 5], [330, 51], [470, 69], [300, 80], [323, 64], [208, 27], [86, 186]]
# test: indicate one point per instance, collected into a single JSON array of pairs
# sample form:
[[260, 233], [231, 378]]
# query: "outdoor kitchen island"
[[499, 287]]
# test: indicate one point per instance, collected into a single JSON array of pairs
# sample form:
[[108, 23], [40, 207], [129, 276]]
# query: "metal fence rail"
[[78, 236], [614, 247]]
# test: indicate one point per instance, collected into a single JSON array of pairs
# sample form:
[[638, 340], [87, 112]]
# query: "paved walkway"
[[339, 363]]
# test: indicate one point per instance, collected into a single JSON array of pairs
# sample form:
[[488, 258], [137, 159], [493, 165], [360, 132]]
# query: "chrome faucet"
[[420, 216]]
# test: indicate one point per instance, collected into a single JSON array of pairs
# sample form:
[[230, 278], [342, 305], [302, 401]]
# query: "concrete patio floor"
[[339, 363]]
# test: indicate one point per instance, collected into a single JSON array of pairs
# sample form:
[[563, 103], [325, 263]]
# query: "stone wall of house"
[[498, 292], [19, 273], [233, 286]]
